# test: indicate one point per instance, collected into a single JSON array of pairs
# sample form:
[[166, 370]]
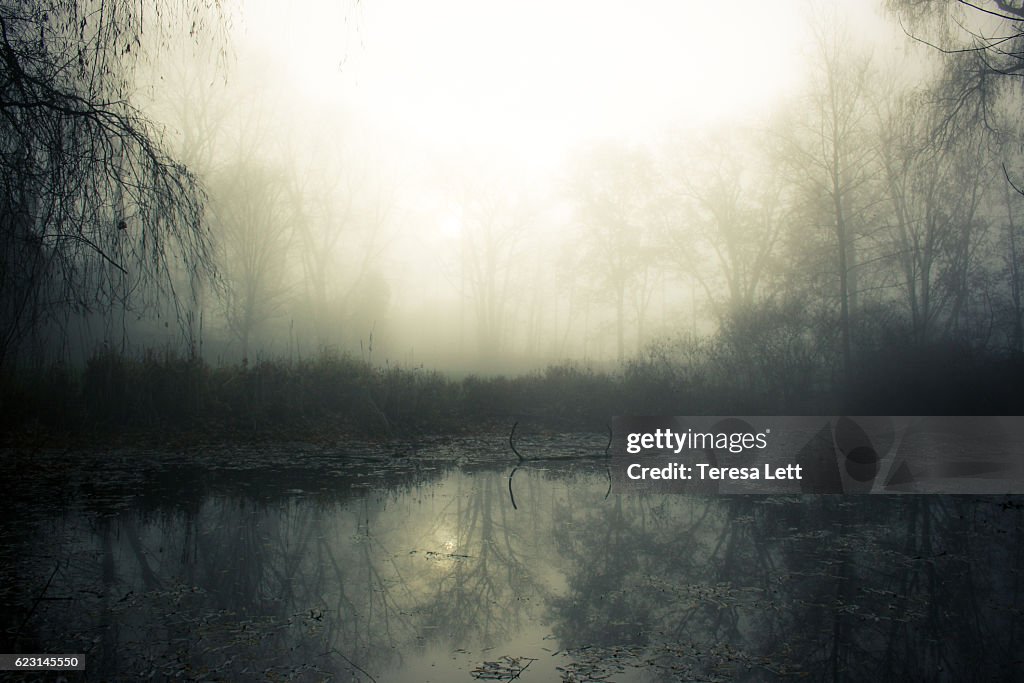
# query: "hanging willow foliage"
[[94, 213]]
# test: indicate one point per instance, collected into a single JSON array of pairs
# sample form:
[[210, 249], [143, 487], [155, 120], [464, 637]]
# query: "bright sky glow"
[[401, 123], [525, 81], [451, 225]]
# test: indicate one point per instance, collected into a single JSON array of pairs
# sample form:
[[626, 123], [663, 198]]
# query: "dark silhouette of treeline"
[[330, 395]]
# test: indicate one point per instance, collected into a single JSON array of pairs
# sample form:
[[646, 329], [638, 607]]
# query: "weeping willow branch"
[[93, 210]]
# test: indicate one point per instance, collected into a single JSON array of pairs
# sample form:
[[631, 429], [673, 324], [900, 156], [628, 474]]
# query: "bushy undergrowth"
[[324, 396], [331, 395]]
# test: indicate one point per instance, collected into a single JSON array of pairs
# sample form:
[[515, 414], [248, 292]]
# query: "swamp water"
[[364, 564]]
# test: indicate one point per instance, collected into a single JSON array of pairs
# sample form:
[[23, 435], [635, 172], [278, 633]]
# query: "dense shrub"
[[778, 370]]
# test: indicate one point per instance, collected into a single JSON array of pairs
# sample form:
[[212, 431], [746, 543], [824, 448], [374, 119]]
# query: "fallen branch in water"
[[512, 444], [505, 669], [510, 494], [361, 670], [35, 604]]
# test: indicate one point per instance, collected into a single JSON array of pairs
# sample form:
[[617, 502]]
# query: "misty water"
[[423, 563]]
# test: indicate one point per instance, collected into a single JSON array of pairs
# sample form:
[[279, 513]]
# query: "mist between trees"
[[188, 239]]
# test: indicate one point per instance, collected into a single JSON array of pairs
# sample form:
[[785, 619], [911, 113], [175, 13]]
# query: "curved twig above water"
[[512, 444]]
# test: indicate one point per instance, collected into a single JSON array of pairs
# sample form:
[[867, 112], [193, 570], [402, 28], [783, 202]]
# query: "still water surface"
[[362, 563]]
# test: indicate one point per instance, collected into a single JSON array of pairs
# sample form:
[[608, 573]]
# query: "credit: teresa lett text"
[[703, 470]]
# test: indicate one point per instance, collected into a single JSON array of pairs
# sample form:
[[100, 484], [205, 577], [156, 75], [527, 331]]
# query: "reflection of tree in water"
[[365, 594], [917, 584], [192, 593], [307, 578], [835, 588], [893, 587], [349, 581], [245, 575], [479, 592], [603, 604]]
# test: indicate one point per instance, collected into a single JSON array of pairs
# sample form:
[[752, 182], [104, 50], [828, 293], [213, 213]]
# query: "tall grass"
[[330, 396]]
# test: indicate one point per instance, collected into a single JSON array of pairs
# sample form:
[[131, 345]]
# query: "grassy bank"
[[167, 396], [330, 396]]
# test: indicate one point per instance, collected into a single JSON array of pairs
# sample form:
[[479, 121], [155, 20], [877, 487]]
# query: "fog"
[[332, 332], [501, 187]]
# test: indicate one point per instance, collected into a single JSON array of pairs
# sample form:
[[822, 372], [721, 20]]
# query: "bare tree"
[[828, 157], [724, 224], [253, 220], [94, 211], [495, 218], [614, 191], [491, 242], [916, 178], [323, 214], [1013, 261], [984, 45]]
